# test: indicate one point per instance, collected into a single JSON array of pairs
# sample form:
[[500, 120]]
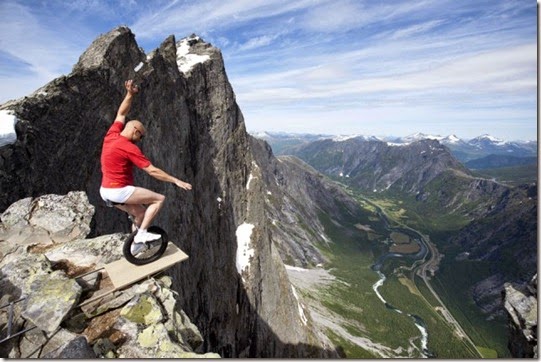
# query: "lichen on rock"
[[141, 321], [50, 298], [143, 309]]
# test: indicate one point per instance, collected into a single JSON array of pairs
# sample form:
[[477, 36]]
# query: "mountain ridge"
[[464, 150], [487, 220]]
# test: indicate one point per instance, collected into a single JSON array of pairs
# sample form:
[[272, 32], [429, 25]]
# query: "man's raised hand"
[[131, 87]]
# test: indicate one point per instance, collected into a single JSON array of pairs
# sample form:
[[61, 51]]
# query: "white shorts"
[[119, 195]]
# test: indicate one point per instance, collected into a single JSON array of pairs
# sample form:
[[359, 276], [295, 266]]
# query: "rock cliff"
[[296, 195], [375, 165], [234, 285], [44, 265], [521, 305]]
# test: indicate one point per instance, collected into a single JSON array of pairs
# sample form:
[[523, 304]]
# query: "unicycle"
[[152, 251]]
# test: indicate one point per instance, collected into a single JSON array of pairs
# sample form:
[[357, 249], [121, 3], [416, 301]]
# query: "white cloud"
[[335, 16], [502, 70], [258, 42], [310, 59], [415, 29], [42, 53], [209, 15]]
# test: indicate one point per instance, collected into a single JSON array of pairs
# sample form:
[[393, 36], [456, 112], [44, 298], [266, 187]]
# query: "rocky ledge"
[[46, 275], [520, 302]]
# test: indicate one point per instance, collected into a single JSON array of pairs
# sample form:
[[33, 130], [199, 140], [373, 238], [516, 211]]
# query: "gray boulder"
[[51, 297], [37, 224], [60, 344], [76, 348]]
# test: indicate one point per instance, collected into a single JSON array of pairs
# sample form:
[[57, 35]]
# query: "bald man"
[[119, 154]]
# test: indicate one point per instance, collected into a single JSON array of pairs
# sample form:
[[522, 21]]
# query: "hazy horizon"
[[255, 132]]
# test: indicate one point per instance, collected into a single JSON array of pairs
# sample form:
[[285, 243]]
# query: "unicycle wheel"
[[152, 250]]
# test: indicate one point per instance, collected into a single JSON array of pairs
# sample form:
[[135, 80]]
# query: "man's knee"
[[160, 198]]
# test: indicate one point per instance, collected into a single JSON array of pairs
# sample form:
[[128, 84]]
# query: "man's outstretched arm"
[[161, 175], [125, 106]]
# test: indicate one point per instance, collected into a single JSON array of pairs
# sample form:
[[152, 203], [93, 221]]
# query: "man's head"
[[134, 131]]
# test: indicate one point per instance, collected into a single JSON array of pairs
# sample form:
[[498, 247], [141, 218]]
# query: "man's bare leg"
[[136, 210], [144, 196]]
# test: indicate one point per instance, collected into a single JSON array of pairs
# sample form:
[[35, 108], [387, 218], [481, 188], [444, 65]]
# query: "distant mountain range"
[[464, 150]]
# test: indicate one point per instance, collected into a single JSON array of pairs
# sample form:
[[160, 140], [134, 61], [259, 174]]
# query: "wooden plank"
[[124, 273]]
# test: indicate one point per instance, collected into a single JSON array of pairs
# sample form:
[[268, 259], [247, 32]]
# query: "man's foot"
[[136, 248], [143, 236]]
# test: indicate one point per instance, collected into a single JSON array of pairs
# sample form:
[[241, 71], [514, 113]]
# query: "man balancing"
[[118, 155]]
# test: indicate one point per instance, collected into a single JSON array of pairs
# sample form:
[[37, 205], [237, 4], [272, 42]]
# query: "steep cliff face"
[[296, 196], [234, 285], [375, 165], [506, 237]]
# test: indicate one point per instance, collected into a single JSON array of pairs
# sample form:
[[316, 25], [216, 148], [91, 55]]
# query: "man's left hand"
[[131, 87], [183, 185]]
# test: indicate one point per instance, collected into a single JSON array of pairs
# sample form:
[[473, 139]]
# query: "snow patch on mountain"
[[451, 139], [421, 136], [7, 127], [488, 139], [186, 60], [342, 138], [395, 144]]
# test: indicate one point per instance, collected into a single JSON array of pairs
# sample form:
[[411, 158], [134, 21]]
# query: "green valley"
[[455, 327]]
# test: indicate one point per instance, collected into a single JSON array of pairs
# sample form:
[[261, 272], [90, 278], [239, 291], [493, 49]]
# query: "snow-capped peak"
[[341, 138], [451, 139], [488, 138], [261, 135], [185, 59], [421, 136]]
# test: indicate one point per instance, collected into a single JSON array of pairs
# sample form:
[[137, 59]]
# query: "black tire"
[[155, 249]]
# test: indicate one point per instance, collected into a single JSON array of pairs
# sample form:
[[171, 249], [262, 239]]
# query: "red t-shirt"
[[118, 156]]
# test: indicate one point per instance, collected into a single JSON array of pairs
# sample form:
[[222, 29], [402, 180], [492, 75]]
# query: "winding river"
[[420, 255]]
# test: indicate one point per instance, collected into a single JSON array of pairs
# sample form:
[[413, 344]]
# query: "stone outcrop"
[[144, 320], [242, 304], [50, 298], [521, 305]]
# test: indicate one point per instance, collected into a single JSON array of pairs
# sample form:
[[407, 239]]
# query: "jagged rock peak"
[[104, 51], [193, 50], [109, 48]]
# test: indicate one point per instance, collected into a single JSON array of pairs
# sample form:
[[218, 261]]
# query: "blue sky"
[[369, 67]]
